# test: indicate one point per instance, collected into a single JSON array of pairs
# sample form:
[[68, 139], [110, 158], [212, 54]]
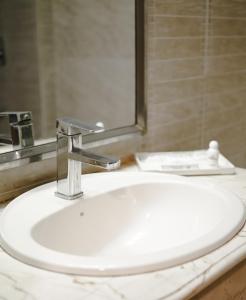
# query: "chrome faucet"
[[21, 129], [70, 156]]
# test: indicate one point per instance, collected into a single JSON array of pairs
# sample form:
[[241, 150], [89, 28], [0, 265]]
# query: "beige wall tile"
[[225, 82], [180, 7], [228, 8], [173, 112], [225, 64], [226, 100], [226, 45], [178, 26], [189, 143], [177, 48], [169, 135], [175, 90], [218, 118], [175, 69], [228, 27]]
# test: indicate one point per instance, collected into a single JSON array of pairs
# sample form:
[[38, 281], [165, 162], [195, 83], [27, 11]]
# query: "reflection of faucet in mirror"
[[70, 155], [21, 129]]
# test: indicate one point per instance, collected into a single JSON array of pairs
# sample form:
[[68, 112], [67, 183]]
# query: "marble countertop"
[[20, 281]]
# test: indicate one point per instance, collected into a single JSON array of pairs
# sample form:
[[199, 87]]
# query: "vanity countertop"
[[21, 281]]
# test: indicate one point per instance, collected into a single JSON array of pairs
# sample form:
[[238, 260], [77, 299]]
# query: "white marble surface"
[[20, 281]]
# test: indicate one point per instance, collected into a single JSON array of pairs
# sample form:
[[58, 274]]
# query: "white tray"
[[183, 163]]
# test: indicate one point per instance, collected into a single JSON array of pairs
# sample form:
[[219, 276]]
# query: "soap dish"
[[184, 163]]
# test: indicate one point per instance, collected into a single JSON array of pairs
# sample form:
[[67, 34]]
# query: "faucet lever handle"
[[16, 117], [69, 126]]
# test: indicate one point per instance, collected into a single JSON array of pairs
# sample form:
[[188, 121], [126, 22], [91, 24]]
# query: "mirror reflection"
[[67, 58]]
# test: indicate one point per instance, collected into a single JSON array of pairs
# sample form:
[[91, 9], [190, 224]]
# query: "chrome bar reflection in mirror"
[[24, 156]]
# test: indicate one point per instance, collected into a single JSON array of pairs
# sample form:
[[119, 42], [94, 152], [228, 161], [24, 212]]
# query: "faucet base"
[[66, 197]]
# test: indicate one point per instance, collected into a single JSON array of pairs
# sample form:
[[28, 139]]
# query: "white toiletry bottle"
[[213, 154]]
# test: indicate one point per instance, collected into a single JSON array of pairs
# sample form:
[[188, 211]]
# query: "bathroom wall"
[[196, 75]]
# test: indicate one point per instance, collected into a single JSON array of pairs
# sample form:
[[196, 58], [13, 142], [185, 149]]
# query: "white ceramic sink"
[[126, 223]]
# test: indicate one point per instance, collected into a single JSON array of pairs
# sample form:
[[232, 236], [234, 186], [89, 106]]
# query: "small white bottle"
[[213, 154]]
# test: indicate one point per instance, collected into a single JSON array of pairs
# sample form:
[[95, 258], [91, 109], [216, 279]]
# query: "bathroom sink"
[[126, 223]]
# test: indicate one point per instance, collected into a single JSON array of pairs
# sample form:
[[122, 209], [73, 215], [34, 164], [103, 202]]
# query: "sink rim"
[[103, 266]]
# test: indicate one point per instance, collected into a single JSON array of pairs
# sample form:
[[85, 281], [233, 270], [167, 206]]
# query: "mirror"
[[77, 58]]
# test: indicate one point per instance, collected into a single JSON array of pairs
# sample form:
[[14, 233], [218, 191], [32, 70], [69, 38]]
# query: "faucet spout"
[[87, 157]]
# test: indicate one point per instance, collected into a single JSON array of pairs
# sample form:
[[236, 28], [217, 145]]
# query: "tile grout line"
[[185, 58], [205, 71], [157, 37], [163, 15], [238, 72]]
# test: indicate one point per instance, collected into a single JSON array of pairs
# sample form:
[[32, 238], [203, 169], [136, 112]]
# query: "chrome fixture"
[[70, 155], [21, 129]]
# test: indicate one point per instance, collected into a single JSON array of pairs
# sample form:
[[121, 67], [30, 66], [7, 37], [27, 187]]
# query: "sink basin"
[[126, 223]]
